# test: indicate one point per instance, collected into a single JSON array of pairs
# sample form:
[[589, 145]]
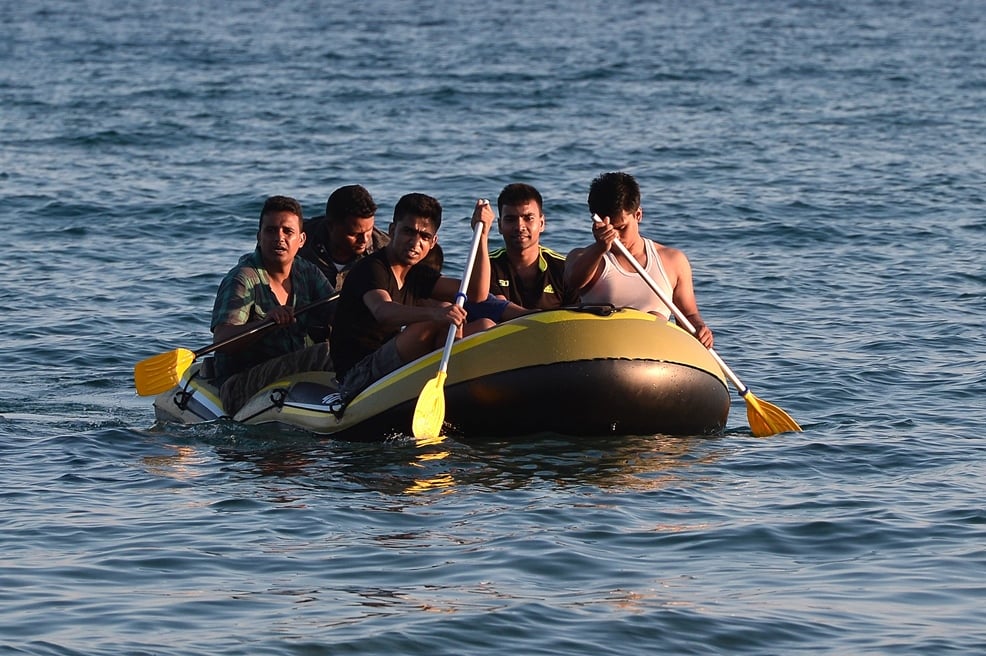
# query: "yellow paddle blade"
[[767, 419], [429, 413], [161, 372]]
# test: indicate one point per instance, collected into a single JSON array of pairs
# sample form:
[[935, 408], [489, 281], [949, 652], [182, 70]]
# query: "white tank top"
[[627, 288]]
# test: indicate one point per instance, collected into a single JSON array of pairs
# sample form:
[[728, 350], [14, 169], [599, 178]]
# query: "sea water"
[[820, 162]]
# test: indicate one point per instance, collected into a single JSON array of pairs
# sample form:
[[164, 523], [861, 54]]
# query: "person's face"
[[280, 236], [351, 237], [627, 225], [521, 225], [411, 239]]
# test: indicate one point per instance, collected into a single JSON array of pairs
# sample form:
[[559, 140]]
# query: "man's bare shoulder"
[[674, 260]]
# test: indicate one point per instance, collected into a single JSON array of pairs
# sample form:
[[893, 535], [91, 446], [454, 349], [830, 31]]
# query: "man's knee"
[[478, 326], [420, 338]]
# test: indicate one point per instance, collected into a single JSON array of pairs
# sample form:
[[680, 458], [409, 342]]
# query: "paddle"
[[161, 372], [429, 413], [765, 419]]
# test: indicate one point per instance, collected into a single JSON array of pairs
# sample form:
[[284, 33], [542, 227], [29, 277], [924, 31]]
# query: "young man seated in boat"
[[523, 271], [270, 284], [337, 240], [386, 316], [603, 276], [346, 233], [525, 276]]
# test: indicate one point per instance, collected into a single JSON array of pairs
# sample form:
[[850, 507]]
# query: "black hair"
[[419, 206], [613, 193], [280, 204], [350, 201], [517, 193]]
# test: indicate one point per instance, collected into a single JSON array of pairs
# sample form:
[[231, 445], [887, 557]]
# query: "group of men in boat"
[[388, 302]]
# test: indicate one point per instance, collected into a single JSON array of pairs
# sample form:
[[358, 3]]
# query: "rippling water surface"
[[820, 162]]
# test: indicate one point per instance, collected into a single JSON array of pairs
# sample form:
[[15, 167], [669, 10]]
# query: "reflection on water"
[[179, 464], [398, 467], [443, 481]]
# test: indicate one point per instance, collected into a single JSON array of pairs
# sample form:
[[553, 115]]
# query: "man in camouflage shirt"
[[270, 284]]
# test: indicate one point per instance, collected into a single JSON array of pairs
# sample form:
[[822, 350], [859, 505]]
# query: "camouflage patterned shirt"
[[245, 295]]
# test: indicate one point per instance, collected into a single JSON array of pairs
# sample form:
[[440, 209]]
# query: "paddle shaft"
[[460, 298], [678, 314], [264, 325], [429, 411]]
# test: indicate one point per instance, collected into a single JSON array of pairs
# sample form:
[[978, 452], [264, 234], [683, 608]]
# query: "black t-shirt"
[[355, 332]]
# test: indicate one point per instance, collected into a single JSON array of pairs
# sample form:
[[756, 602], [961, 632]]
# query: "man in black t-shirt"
[[381, 322]]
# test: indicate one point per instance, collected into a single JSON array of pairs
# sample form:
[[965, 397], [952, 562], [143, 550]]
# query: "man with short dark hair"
[[604, 276], [269, 284], [396, 308], [524, 272], [337, 240]]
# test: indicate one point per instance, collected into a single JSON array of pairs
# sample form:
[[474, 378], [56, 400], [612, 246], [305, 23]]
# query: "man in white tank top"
[[605, 277]]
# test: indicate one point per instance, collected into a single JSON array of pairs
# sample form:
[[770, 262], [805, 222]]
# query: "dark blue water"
[[820, 162]]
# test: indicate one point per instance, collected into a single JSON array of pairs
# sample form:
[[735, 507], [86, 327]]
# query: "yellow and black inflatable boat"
[[580, 372]]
